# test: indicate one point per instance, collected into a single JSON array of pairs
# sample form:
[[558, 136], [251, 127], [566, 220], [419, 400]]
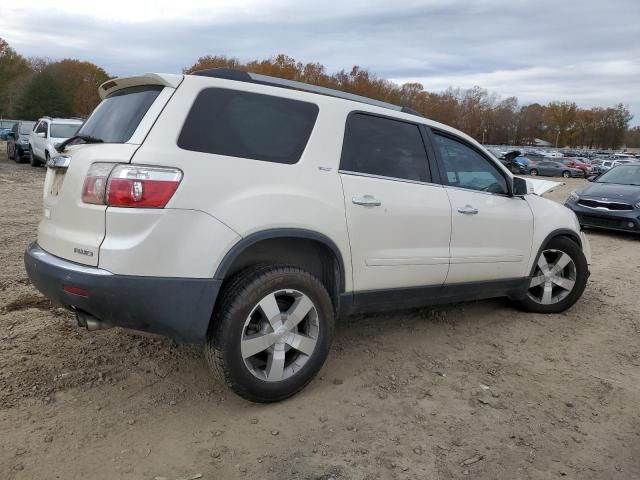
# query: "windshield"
[[118, 115], [26, 127], [64, 130], [623, 175]]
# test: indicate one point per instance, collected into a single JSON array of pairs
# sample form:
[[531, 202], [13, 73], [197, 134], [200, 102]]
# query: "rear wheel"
[[271, 332], [533, 172], [566, 174], [559, 278], [9, 154]]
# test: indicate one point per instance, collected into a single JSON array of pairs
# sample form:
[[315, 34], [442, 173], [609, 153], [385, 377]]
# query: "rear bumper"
[[179, 308]]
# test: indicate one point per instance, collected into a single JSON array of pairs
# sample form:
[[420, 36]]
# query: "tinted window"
[[381, 146], [248, 125], [118, 115], [42, 127], [466, 168]]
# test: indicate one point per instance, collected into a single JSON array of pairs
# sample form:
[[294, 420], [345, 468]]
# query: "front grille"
[[617, 206], [604, 222]]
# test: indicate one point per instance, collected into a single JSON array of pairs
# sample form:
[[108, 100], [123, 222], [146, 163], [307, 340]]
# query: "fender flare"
[[560, 232], [256, 237]]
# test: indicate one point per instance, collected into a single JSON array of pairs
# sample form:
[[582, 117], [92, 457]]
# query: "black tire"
[[566, 174], [574, 251], [33, 160], [237, 300], [533, 172]]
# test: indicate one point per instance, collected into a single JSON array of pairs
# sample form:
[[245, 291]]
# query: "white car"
[[246, 213], [46, 134]]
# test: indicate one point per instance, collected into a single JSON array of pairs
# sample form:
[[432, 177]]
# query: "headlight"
[[574, 197]]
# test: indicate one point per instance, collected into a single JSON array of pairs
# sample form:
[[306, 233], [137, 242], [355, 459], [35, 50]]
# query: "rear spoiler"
[[164, 79]]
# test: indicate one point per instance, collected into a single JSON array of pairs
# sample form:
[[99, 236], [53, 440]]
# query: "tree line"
[[33, 87]]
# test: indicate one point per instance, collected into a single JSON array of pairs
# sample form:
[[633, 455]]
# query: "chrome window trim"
[[382, 177]]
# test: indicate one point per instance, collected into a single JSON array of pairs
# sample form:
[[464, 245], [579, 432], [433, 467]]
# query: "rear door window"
[[248, 125], [117, 117], [384, 147]]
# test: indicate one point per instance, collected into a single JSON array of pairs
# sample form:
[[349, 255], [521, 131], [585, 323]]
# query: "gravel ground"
[[475, 390]]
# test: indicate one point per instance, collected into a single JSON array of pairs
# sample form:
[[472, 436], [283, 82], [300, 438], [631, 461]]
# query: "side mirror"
[[41, 134], [591, 178], [519, 186]]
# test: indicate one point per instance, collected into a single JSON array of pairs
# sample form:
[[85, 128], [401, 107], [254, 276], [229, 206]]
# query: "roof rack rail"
[[242, 76]]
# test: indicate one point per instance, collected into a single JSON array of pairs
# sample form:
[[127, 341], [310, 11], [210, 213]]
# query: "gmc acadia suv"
[[247, 212]]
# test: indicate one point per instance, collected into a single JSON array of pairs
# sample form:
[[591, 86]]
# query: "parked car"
[[211, 208], [5, 128], [509, 160], [47, 133], [574, 163], [612, 201], [18, 141], [553, 169]]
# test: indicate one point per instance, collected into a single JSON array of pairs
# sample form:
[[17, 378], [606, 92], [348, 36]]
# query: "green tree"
[[14, 70], [44, 95]]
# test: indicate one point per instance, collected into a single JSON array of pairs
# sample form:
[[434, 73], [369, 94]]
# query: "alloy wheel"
[[280, 335], [553, 279]]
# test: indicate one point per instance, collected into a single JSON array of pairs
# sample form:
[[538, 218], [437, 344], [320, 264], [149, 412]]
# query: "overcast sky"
[[587, 51]]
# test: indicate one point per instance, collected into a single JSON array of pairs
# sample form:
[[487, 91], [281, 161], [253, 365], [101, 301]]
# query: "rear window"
[[248, 125], [118, 115]]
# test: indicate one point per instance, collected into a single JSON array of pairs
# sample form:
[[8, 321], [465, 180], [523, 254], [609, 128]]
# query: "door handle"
[[367, 201], [468, 210]]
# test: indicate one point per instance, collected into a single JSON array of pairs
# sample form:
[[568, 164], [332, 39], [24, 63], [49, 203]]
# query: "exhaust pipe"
[[90, 322]]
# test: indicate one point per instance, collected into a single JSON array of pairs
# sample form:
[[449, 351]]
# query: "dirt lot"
[[475, 390]]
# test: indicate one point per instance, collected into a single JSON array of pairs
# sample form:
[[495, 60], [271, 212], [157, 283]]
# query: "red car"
[[574, 163]]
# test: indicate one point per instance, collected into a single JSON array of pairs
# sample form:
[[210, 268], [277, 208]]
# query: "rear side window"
[[385, 147], [118, 115], [248, 125]]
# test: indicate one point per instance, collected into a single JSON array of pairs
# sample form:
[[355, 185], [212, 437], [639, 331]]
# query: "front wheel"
[[533, 172], [270, 333], [566, 174], [559, 278], [32, 159]]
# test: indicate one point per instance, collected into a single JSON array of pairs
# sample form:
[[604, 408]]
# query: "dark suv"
[[18, 141]]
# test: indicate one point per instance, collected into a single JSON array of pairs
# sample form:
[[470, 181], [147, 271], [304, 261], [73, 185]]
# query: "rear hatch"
[[72, 229]]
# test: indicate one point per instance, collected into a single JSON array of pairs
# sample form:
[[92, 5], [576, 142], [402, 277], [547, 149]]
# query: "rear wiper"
[[85, 138]]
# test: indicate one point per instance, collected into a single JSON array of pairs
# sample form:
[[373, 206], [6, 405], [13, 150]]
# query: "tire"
[[561, 298], [533, 172], [239, 318], [566, 174], [33, 160]]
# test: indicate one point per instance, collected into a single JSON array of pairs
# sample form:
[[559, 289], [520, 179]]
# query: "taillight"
[[136, 186], [95, 183], [130, 185]]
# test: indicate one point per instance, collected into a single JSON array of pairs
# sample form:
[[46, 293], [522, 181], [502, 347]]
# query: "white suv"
[[46, 134], [246, 213]]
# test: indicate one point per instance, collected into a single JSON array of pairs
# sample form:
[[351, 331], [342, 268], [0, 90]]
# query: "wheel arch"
[[560, 232], [304, 248]]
